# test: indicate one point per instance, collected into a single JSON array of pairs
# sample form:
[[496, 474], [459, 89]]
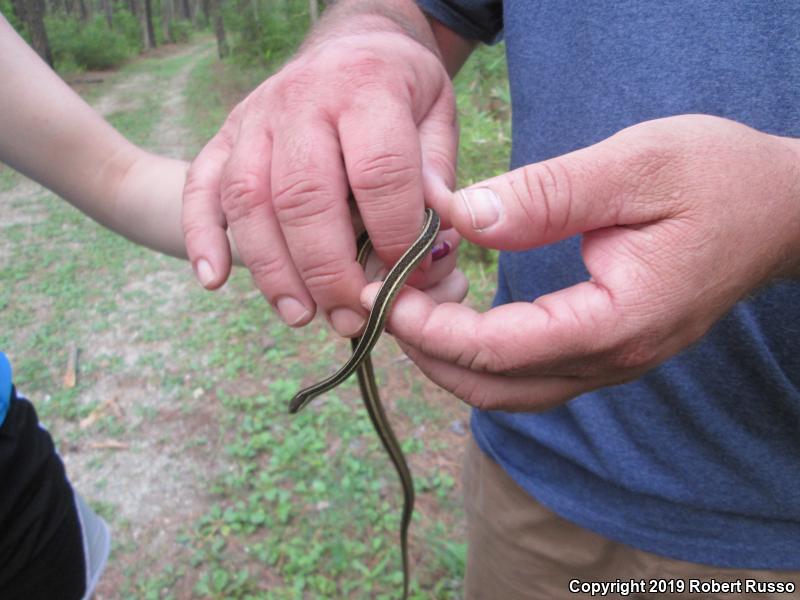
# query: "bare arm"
[[50, 134]]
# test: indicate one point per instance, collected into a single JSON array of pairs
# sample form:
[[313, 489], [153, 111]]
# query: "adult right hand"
[[369, 109], [680, 218]]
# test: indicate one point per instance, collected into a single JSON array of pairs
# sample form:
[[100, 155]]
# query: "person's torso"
[[700, 458]]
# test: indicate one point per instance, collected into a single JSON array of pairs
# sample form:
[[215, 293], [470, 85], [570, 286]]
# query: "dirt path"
[[140, 455], [154, 482], [177, 431]]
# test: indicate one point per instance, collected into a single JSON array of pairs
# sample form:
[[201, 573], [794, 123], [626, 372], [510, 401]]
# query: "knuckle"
[[477, 350], [324, 274], [546, 196], [383, 175], [265, 268], [652, 155], [301, 197], [241, 195], [470, 391], [648, 165], [193, 188], [195, 231], [363, 68], [487, 359], [291, 88]]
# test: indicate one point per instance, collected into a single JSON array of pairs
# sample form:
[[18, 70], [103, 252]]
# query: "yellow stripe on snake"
[[361, 363]]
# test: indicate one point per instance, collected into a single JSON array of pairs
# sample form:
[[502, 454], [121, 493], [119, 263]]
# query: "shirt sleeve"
[[5, 386], [480, 20]]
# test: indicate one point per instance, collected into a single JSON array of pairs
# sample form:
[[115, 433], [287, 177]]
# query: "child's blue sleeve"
[[5, 386]]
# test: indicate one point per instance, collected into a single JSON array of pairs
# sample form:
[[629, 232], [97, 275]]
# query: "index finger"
[[562, 333]]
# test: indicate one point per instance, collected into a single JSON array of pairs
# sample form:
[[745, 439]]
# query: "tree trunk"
[[313, 10], [57, 6], [166, 18], [83, 10], [31, 14], [69, 7], [148, 11], [186, 10], [20, 12], [147, 26], [206, 11], [108, 10], [215, 7]]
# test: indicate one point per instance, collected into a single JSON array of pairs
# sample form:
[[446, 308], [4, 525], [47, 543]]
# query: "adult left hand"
[[681, 218]]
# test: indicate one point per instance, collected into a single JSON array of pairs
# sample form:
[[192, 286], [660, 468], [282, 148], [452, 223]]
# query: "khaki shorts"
[[519, 550]]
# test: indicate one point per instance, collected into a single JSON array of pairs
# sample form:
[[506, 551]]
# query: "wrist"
[[147, 202], [355, 17]]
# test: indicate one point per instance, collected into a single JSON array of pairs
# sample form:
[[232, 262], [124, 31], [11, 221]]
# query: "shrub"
[[180, 31], [270, 36], [8, 12], [62, 33], [93, 46], [128, 26]]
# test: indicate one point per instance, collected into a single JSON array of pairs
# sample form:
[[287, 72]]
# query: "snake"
[[361, 363]]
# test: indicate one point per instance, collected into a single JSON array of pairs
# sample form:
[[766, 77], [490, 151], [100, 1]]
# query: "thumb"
[[541, 203]]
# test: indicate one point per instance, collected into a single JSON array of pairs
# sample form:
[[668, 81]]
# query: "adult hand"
[[370, 111], [680, 217]]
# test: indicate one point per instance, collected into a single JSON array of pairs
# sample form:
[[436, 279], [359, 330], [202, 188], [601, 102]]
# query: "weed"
[[300, 506]]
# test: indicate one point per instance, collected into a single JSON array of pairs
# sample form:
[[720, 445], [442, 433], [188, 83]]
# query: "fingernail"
[[346, 322], [483, 205], [291, 310], [204, 271], [439, 251]]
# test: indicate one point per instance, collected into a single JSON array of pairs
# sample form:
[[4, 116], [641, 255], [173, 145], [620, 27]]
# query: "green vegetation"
[[8, 12], [264, 34], [484, 111], [103, 34], [92, 46], [302, 506]]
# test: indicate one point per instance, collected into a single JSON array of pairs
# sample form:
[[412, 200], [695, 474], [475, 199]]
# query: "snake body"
[[360, 362]]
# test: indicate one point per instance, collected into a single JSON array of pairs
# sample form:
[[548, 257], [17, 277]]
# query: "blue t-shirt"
[[699, 459], [5, 386]]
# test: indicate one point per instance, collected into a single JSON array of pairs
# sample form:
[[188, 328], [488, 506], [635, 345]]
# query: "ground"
[[177, 430]]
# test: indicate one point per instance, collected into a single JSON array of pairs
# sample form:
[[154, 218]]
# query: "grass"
[[306, 538], [8, 178], [294, 507], [213, 90]]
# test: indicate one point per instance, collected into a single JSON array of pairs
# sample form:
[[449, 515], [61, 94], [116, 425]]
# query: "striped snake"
[[360, 362]]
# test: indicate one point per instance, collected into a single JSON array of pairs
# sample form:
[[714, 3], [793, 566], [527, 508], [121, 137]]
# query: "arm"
[[50, 134], [400, 16], [454, 49], [369, 93]]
